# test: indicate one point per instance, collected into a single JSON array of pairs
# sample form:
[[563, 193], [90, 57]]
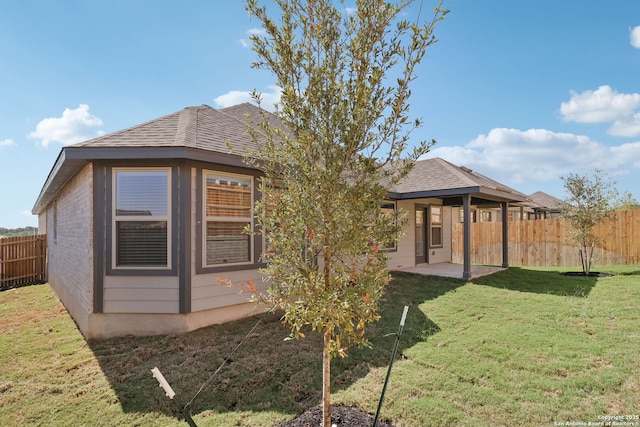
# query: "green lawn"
[[520, 347]]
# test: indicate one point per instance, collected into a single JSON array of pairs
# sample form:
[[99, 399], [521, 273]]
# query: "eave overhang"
[[453, 196], [72, 159]]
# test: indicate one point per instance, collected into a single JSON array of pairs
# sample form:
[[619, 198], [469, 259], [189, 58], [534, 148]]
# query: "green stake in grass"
[[393, 357]]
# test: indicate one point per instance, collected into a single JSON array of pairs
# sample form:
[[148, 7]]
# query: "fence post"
[[1, 264], [38, 263]]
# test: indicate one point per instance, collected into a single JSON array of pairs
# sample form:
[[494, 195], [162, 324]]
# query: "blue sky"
[[524, 92]]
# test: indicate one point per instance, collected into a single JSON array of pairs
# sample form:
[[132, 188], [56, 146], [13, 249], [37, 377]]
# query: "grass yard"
[[520, 347]]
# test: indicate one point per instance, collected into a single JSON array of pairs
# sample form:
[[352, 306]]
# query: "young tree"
[[591, 200], [345, 77]]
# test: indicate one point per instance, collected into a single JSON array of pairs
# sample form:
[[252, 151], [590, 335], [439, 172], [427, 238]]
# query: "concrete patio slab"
[[446, 269]]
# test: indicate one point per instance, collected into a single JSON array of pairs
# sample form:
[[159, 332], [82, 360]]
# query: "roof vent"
[[466, 169]]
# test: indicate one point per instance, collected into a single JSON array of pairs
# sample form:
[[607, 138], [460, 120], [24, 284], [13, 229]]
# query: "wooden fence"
[[22, 260], [545, 243]]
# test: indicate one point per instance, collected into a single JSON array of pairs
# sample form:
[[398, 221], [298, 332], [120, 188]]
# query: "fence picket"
[[22, 260], [544, 242]]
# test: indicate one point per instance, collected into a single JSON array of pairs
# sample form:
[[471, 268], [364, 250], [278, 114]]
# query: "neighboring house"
[[544, 206], [141, 223], [538, 205]]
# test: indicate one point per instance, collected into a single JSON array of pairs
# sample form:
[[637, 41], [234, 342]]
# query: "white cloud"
[[252, 32], [74, 126], [635, 37], [235, 97], [629, 153], [256, 32], [6, 142], [599, 106], [232, 97], [515, 157], [629, 126]]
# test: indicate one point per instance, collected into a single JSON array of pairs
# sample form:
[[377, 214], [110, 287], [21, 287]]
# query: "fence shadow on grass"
[[630, 273], [539, 281], [266, 373]]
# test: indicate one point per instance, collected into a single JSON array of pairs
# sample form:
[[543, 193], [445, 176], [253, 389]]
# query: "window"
[[436, 226], [472, 214], [389, 209], [141, 218], [228, 210], [485, 216], [420, 234]]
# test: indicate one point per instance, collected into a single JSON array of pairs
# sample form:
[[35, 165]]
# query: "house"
[[439, 194], [538, 205], [544, 206], [141, 223]]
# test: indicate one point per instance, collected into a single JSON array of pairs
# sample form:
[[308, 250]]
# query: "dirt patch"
[[341, 416]]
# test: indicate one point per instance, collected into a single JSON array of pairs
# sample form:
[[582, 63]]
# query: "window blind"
[[141, 218]]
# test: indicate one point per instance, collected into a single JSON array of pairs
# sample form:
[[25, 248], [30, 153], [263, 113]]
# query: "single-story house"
[[141, 223], [544, 206], [538, 205]]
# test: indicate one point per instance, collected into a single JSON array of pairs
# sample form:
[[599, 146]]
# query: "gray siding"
[[141, 294], [209, 292]]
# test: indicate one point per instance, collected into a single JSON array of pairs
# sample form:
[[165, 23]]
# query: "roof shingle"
[[438, 174], [195, 127]]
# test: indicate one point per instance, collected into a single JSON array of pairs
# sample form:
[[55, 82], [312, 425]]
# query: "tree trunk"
[[326, 381], [583, 261], [590, 259]]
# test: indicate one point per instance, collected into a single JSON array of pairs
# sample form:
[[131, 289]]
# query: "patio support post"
[[466, 214], [505, 234]]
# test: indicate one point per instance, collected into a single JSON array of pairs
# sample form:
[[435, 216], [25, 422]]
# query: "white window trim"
[[115, 219], [206, 218]]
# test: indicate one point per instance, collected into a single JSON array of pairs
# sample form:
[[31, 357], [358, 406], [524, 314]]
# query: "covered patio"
[[457, 187], [455, 271]]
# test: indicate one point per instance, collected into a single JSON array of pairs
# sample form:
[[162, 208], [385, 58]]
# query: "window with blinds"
[[436, 226], [228, 210], [141, 218]]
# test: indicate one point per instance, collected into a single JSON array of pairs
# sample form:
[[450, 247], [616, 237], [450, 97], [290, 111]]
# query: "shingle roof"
[[205, 128], [543, 200], [191, 129], [432, 175], [194, 127]]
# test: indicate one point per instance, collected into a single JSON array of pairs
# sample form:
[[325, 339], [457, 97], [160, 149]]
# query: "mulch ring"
[[341, 416]]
